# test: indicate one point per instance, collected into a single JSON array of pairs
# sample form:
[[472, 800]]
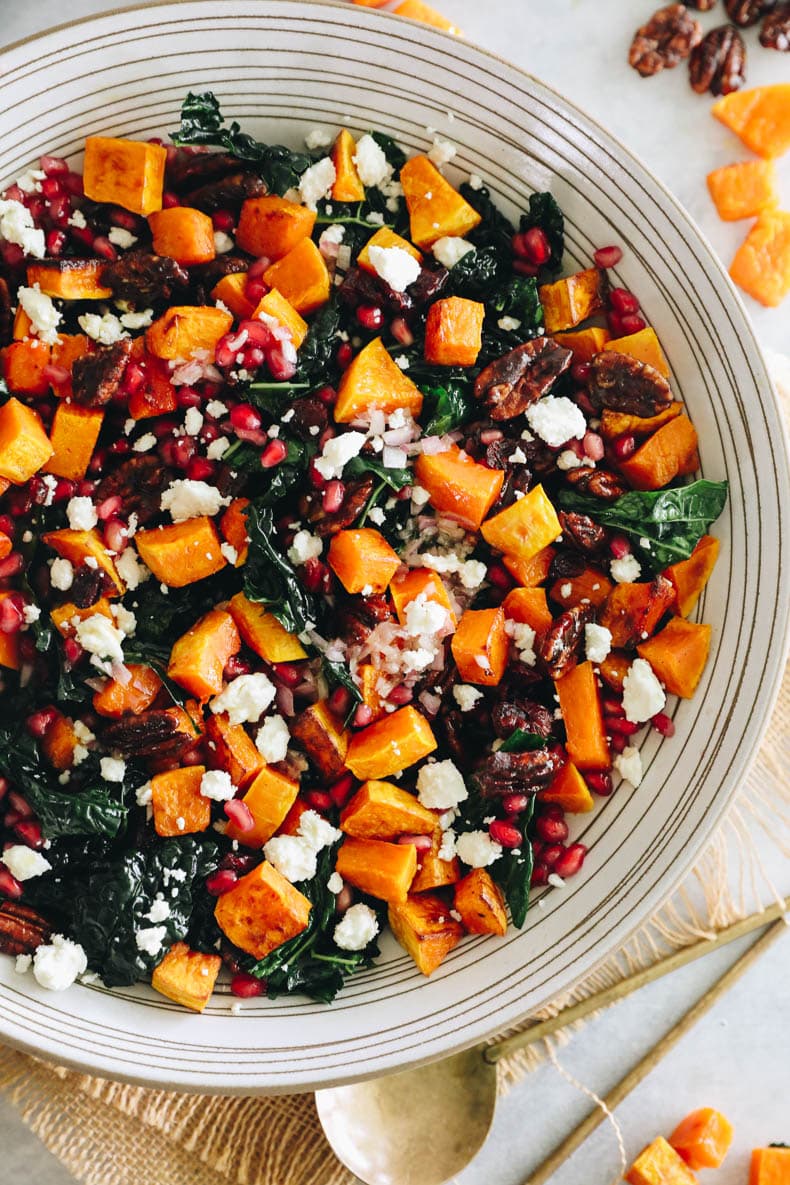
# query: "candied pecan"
[[703, 5], [566, 564], [148, 734], [561, 644], [187, 169], [230, 191], [509, 384], [622, 383], [143, 279], [309, 412], [139, 481], [511, 713], [718, 63], [22, 930], [96, 378], [747, 12], [775, 33], [600, 483], [362, 287], [518, 773], [582, 531], [206, 275], [86, 586], [329, 523], [667, 38], [5, 312]]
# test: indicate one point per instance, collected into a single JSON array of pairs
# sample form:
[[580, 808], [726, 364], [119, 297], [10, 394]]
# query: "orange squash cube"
[[760, 116], [375, 381], [65, 352], [590, 587], [116, 699], [81, 546], [678, 654], [24, 445], [262, 632], [568, 302], [323, 738], [761, 266], [73, 436], [128, 173], [423, 926], [385, 870], [454, 331], [459, 486], [580, 704], [659, 1164], [186, 976], [381, 810], [689, 577], [184, 234], [770, 1166], [274, 304], [406, 586], [184, 329], [584, 343], [525, 528], [347, 186], [362, 560], [528, 605], [632, 611], [368, 682], [391, 744], [22, 325], [179, 807], [614, 669], [233, 526], [232, 750], [24, 366], [569, 790], [269, 799], [231, 290], [69, 279], [301, 277], [433, 872], [262, 911], [386, 238], [620, 423], [669, 453], [743, 190], [645, 347], [703, 1138], [59, 743], [63, 615], [435, 208], [418, 10], [157, 395], [182, 553], [198, 657], [481, 904], [480, 646], [532, 572], [273, 226]]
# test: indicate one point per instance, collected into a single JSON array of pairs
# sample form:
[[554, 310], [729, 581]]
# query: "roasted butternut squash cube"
[[274, 305], [233, 526], [73, 437], [659, 1164], [689, 577], [761, 266], [481, 904], [743, 190], [301, 277], [770, 1166], [385, 870], [63, 616], [293, 820], [528, 605], [182, 553], [525, 528], [231, 290], [24, 445], [263, 633], [368, 683], [128, 173], [65, 352], [273, 226], [183, 234], [582, 715], [69, 279], [116, 699], [381, 810], [374, 381], [81, 546], [59, 742], [703, 1139], [199, 656], [157, 395], [678, 654], [631, 612], [435, 208], [233, 750], [323, 738], [391, 744], [423, 926], [645, 347], [614, 669], [584, 343], [185, 329], [25, 365], [269, 799], [568, 790], [590, 587], [411, 583], [459, 486], [760, 115], [22, 325], [454, 331], [262, 911], [529, 573], [362, 560], [572, 300], [186, 976], [669, 453], [179, 807], [433, 871], [347, 186], [620, 423], [480, 646], [386, 238], [418, 10]]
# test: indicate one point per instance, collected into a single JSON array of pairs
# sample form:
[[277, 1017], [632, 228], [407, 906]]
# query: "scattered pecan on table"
[[775, 33], [510, 384], [668, 37], [625, 384], [718, 63], [747, 12]]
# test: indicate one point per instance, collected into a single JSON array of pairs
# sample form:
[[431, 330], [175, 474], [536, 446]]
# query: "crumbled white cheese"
[[78, 219], [556, 419], [318, 138], [150, 940], [396, 267], [376, 515], [223, 243], [523, 637], [440, 785], [106, 329], [466, 696], [16, 226], [447, 845], [187, 499], [193, 421], [81, 514], [144, 794], [477, 849], [317, 181], [23, 862], [112, 769], [555, 880], [316, 831], [144, 443], [337, 451], [44, 317], [57, 964], [124, 619], [402, 362], [441, 152], [229, 552], [450, 248], [518, 457], [629, 765], [131, 569], [597, 641], [245, 699], [568, 460], [23, 964], [475, 181], [471, 573], [217, 449], [509, 324], [643, 695], [292, 857], [61, 574], [357, 928], [99, 637], [335, 883], [121, 237], [216, 784], [30, 182], [137, 320], [159, 911], [626, 569], [216, 409], [372, 165], [424, 616], [272, 739], [30, 613], [305, 547], [420, 496]]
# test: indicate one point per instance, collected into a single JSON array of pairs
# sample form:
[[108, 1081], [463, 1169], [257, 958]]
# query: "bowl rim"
[[780, 627]]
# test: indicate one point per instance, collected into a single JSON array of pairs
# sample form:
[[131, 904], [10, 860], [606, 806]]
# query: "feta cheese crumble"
[[449, 249], [44, 317], [629, 765], [643, 695], [556, 419], [295, 856], [216, 785], [106, 329], [440, 785], [372, 165], [81, 514], [357, 928], [304, 547], [318, 138], [16, 226], [272, 739], [316, 182], [394, 266], [112, 769], [337, 451], [466, 696], [186, 499], [626, 570], [477, 849], [245, 699], [100, 637], [597, 642], [441, 152], [523, 637], [131, 569], [23, 862], [121, 237], [150, 939], [57, 964], [61, 574]]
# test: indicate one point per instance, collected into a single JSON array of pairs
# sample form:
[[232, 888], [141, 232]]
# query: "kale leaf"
[[396, 479], [545, 213], [513, 870], [670, 522], [394, 154], [520, 741], [269, 576], [477, 273], [338, 675], [202, 122], [495, 230], [448, 406]]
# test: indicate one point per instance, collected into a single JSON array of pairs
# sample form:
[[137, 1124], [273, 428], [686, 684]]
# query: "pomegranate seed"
[[240, 862], [224, 220], [363, 716], [255, 290], [257, 333], [103, 247], [624, 447], [258, 267], [12, 565], [182, 450], [663, 724], [73, 185], [593, 446], [618, 742], [193, 756], [524, 267], [51, 188], [288, 673], [244, 415], [72, 651], [133, 378], [341, 790], [53, 166], [4, 787], [333, 496], [120, 447], [327, 395], [56, 241], [116, 535], [253, 358], [537, 248], [599, 783], [188, 397], [551, 831], [319, 800], [221, 881], [632, 323], [580, 373], [499, 577], [275, 452], [619, 546], [551, 854], [340, 701], [17, 802], [344, 355], [7, 525], [281, 360], [200, 469], [370, 316], [491, 435], [253, 436], [83, 234], [540, 875], [423, 843], [623, 301], [169, 200], [29, 833], [11, 619], [239, 814], [109, 507], [9, 885], [124, 219], [315, 574], [505, 834], [236, 666], [612, 706], [401, 331], [317, 480], [247, 987], [12, 255], [400, 695], [39, 723], [571, 860], [618, 725], [514, 804], [606, 257]]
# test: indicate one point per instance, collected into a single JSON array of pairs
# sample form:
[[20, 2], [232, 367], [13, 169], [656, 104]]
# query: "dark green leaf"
[[495, 230], [666, 524], [316, 355], [394, 154], [519, 298], [520, 741], [448, 407], [396, 479], [545, 213], [269, 576], [513, 871], [338, 674], [477, 273]]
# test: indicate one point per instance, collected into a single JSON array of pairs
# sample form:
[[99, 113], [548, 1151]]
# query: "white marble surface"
[[736, 1058]]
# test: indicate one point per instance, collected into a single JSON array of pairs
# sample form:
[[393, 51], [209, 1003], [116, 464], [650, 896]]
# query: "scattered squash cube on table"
[[743, 190], [761, 266]]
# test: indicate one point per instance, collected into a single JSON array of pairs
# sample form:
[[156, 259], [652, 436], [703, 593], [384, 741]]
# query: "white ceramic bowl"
[[283, 67]]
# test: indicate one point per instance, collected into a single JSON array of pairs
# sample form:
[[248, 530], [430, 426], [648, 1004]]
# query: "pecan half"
[[512, 713], [139, 481], [667, 38], [186, 170], [775, 33], [86, 586], [582, 531], [703, 5], [718, 63], [600, 483], [22, 930], [561, 644], [566, 564], [625, 384], [143, 279], [517, 773], [229, 191], [510, 384], [97, 377], [747, 12], [148, 734]]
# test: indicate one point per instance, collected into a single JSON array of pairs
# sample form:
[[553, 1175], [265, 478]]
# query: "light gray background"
[[738, 1058]]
